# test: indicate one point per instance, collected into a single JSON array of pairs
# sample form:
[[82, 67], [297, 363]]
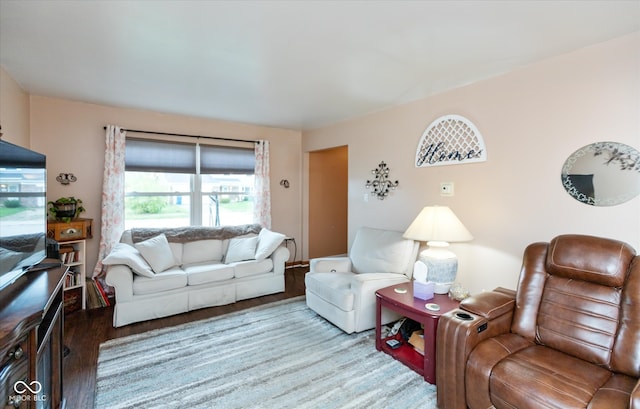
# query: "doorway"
[[328, 201]]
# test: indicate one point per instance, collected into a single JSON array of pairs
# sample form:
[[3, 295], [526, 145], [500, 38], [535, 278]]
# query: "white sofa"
[[342, 289], [161, 272]]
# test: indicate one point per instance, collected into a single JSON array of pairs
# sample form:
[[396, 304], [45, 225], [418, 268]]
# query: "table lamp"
[[438, 226]]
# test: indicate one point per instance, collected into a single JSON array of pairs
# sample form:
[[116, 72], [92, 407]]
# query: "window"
[[171, 184]]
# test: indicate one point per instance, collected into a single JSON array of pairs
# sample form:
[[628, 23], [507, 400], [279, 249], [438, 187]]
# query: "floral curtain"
[[262, 204], [112, 217]]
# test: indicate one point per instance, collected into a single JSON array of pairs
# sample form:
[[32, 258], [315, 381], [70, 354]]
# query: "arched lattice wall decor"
[[450, 140]]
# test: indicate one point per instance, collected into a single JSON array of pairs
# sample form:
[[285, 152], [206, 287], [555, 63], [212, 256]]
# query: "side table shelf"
[[405, 304], [73, 256], [405, 353]]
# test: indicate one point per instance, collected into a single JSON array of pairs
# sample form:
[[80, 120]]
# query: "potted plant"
[[66, 208]]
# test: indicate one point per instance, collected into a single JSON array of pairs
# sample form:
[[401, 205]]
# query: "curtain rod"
[[189, 136]]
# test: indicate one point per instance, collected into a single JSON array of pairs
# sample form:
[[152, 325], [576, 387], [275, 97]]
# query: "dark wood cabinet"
[[31, 341]]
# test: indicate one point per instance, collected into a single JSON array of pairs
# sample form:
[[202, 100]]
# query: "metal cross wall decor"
[[381, 184]]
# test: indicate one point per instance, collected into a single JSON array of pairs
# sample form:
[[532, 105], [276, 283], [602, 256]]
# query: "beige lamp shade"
[[437, 223]]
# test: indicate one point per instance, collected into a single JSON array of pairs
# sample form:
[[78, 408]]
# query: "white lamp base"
[[442, 265]]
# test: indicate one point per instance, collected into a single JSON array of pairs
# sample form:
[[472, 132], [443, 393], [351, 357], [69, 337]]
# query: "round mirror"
[[602, 174]]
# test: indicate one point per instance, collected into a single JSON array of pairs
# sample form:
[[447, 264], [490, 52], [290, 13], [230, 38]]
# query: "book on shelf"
[[67, 254], [72, 278]]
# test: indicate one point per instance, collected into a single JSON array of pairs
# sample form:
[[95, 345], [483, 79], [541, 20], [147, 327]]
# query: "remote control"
[[393, 343]]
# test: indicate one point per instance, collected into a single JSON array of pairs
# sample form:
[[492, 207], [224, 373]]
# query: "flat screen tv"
[[23, 211]]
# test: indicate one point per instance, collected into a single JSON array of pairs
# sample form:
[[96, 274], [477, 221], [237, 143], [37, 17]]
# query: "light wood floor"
[[86, 330]]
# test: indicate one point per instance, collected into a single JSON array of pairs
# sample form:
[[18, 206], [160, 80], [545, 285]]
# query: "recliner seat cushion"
[[538, 377], [335, 288]]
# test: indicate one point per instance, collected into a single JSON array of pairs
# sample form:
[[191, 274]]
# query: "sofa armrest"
[[120, 277], [330, 264], [487, 315], [279, 258], [635, 397]]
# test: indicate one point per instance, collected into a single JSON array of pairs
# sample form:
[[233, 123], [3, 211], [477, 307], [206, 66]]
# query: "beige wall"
[[14, 111], [71, 134], [531, 121]]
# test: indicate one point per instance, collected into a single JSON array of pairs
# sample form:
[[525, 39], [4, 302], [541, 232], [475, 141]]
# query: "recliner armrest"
[[483, 316], [330, 264], [364, 287], [489, 305]]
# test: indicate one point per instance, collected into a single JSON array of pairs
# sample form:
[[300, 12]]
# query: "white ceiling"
[[290, 64]]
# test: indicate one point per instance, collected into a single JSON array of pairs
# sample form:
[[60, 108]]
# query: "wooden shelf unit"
[[73, 256], [71, 237]]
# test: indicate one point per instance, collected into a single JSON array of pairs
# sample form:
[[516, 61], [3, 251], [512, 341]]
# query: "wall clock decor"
[[450, 140]]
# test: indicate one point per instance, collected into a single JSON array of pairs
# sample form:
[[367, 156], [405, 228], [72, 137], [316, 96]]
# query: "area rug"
[[281, 355]]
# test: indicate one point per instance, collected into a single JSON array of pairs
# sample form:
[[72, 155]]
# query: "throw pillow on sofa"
[[241, 249], [125, 254], [202, 250], [157, 252], [268, 242]]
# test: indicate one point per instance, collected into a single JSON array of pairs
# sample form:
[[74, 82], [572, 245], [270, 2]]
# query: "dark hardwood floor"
[[86, 330]]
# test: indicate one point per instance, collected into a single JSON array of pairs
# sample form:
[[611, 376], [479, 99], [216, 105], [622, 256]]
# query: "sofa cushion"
[[207, 272], [335, 288], [176, 249], [157, 252], [170, 279], [252, 267], [125, 254], [241, 249], [268, 242], [202, 250]]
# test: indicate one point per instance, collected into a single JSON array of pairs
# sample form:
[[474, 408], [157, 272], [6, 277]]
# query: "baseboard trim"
[[299, 263]]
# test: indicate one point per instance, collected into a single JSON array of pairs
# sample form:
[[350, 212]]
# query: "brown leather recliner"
[[568, 337]]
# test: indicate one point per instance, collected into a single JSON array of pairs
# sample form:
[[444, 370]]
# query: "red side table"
[[405, 304]]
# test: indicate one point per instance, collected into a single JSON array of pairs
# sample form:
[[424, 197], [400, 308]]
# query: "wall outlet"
[[446, 188]]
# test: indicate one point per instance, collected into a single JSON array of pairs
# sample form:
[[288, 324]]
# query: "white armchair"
[[342, 289]]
